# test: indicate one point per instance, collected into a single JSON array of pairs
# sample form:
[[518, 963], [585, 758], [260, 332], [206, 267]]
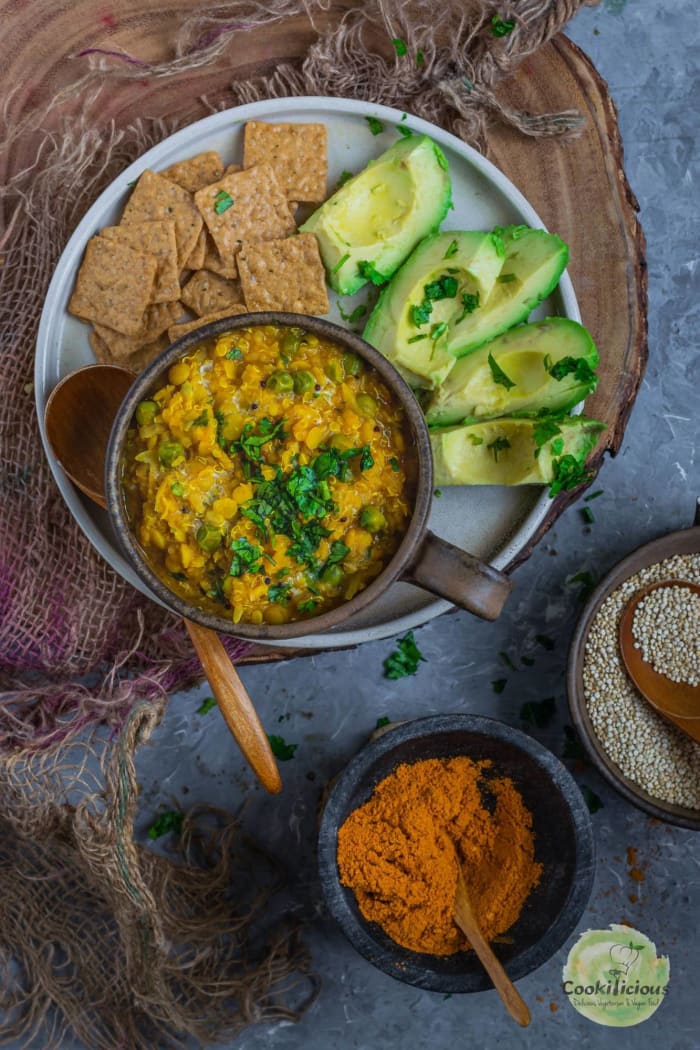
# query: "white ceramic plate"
[[491, 522]]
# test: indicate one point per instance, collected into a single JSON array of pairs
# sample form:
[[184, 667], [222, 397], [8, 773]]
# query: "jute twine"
[[98, 935]]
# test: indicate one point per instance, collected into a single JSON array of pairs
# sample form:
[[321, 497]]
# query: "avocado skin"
[[470, 379], [457, 461], [431, 199]]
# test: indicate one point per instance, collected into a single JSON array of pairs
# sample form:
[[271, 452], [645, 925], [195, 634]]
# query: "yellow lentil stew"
[[266, 481]]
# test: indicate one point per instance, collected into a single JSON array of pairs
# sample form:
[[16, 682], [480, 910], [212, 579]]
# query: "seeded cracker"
[[213, 261], [156, 320], [296, 152], [113, 286], [284, 275], [231, 169], [176, 330], [196, 172], [207, 293], [157, 198], [136, 361], [246, 206], [199, 252], [158, 239]]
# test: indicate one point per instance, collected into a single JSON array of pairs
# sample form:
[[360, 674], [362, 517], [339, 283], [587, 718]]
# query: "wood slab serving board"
[[578, 185]]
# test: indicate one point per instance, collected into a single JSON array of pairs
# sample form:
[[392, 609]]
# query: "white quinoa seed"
[[659, 758], [666, 630]]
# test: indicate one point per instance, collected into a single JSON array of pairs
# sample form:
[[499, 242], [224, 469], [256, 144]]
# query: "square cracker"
[[114, 285], [195, 172], [155, 197], [157, 318], [207, 293], [259, 211], [198, 253], [231, 169], [213, 261], [176, 330], [284, 275], [158, 239], [297, 154], [136, 361]]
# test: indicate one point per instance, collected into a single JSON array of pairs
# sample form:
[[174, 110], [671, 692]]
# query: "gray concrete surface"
[[328, 704]]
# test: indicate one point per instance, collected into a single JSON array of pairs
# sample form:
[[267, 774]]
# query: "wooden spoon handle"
[[236, 706], [510, 996]]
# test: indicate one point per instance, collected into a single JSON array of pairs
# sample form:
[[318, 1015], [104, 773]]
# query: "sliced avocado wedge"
[[414, 322], [545, 365], [532, 265], [369, 226], [546, 450]]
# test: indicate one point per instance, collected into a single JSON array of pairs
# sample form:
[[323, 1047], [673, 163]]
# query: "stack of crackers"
[[206, 240]]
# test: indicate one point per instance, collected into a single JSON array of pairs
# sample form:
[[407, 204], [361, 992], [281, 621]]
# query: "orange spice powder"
[[397, 852]]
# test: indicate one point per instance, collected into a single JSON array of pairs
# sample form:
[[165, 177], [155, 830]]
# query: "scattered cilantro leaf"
[[394, 464], [499, 444], [538, 713], [545, 641], [345, 176], [501, 26], [593, 495], [420, 59], [403, 130], [356, 315], [383, 721], [280, 749], [544, 430], [234, 354], [593, 801], [169, 820], [404, 660], [588, 515], [222, 202], [452, 249], [498, 375], [499, 685], [506, 278], [369, 271], [399, 46], [308, 606], [420, 315], [180, 576], [568, 474], [375, 126], [586, 580], [469, 304], [444, 287], [341, 262], [437, 493], [582, 371], [246, 557], [417, 338], [279, 593], [507, 660], [201, 420], [438, 330], [366, 459], [208, 703]]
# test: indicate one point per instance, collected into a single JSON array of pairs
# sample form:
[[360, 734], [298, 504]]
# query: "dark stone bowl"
[[563, 844]]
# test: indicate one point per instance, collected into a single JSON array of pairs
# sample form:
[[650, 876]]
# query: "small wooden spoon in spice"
[[466, 920], [677, 702], [78, 420]]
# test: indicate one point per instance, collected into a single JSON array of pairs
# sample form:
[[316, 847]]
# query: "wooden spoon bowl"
[[678, 702]]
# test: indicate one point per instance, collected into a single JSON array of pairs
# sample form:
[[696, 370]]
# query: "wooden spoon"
[[468, 924], [78, 419], [677, 702]]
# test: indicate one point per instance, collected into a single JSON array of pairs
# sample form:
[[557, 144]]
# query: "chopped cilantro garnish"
[[506, 278], [222, 202], [208, 703], [177, 488], [404, 130], [593, 495], [201, 420], [544, 430], [437, 493], [445, 287], [499, 376], [394, 464], [234, 354], [417, 338], [337, 553], [399, 46], [452, 250], [250, 444], [280, 749], [420, 58], [568, 474], [170, 820], [558, 446], [538, 713], [383, 721], [357, 314], [582, 371], [586, 580], [593, 801], [308, 606], [420, 315], [499, 685], [501, 26], [341, 262], [369, 271], [545, 641], [344, 177], [375, 126], [438, 330], [404, 660], [476, 440], [587, 515], [469, 305], [246, 557], [366, 459], [279, 593], [179, 576], [499, 444], [507, 660]]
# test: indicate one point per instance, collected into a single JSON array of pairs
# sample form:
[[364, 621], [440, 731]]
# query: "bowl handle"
[[448, 571]]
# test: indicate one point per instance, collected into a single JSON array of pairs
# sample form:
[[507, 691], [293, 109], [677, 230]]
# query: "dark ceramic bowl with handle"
[[421, 557], [563, 845]]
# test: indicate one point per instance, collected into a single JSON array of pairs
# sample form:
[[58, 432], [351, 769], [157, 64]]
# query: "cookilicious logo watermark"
[[614, 977]]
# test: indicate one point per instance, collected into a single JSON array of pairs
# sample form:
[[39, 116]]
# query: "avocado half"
[[369, 226]]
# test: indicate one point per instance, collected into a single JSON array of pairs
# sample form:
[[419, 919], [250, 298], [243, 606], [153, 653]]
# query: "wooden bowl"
[[686, 541], [563, 844]]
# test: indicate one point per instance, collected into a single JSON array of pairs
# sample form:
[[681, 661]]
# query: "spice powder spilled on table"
[[398, 852]]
